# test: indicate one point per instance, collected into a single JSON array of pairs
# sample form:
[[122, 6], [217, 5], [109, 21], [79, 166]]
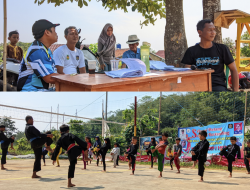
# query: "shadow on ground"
[[51, 179], [84, 188], [220, 183]]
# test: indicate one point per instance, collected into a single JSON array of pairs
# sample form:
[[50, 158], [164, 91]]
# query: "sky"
[[22, 14], [87, 104]]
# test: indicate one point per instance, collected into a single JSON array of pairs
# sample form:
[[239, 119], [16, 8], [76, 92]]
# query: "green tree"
[[93, 47], [10, 128], [149, 9], [245, 50], [230, 44]]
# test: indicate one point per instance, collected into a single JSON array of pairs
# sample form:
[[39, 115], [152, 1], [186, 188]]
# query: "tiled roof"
[[53, 47], [119, 52], [161, 53]]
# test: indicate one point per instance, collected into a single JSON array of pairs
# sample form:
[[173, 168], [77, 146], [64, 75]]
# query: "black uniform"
[[5, 142], [150, 153], [103, 151], [200, 151], [37, 141], [230, 152], [247, 150], [65, 141], [132, 153]]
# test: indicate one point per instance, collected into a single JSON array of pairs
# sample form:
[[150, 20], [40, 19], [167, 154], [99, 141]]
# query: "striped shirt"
[[36, 64]]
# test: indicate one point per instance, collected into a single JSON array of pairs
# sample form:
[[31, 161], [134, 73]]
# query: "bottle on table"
[[145, 48]]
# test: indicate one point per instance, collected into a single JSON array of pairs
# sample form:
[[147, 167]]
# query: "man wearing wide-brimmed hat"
[[133, 52]]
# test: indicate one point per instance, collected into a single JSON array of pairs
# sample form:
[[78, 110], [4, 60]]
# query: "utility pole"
[[50, 118], [57, 115], [245, 114], [159, 114], [4, 45], [63, 117], [102, 118], [76, 114], [135, 116], [106, 109]]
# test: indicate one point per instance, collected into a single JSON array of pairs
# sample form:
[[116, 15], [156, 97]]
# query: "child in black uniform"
[[247, 156], [132, 153], [200, 152], [5, 142], [67, 142], [37, 141], [148, 150], [103, 150], [230, 152]]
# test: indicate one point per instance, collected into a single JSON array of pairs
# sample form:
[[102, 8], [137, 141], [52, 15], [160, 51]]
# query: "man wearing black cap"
[[37, 66]]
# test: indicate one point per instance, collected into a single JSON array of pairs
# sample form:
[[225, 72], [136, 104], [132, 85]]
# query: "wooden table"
[[162, 81]]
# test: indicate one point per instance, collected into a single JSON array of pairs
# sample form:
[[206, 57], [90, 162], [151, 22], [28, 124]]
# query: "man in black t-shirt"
[[208, 54]]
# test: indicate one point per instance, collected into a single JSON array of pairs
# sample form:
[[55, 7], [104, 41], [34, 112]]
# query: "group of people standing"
[[74, 147]]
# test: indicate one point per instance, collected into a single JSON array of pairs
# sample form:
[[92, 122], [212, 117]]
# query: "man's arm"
[[235, 76], [59, 69], [82, 70], [49, 79]]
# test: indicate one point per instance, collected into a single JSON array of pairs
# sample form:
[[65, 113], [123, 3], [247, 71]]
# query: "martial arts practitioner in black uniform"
[[5, 142], [132, 153], [37, 140], [67, 142], [200, 152], [103, 150], [230, 152]]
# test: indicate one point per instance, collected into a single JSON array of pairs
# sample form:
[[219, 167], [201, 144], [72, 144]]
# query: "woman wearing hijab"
[[106, 47], [104, 149], [148, 150]]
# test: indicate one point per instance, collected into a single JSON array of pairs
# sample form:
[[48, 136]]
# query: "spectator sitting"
[[13, 51]]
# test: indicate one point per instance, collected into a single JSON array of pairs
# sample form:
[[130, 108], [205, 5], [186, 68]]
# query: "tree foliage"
[[10, 128], [149, 9], [93, 47]]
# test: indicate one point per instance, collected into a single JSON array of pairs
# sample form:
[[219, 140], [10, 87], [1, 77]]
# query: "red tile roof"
[[53, 47], [161, 53], [119, 52]]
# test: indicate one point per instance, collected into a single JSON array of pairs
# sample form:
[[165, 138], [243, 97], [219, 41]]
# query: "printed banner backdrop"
[[218, 136], [144, 141]]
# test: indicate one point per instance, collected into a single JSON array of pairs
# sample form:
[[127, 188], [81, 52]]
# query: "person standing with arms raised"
[[106, 47]]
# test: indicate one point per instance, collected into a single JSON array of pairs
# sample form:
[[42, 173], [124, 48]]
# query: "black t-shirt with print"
[[247, 149], [215, 58]]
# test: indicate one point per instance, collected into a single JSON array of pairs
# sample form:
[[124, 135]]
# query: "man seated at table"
[[133, 52], [68, 57], [37, 66], [208, 54]]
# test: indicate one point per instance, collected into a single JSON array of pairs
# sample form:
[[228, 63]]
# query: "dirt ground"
[[18, 176]]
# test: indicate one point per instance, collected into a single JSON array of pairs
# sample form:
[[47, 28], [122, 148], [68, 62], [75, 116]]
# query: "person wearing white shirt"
[[114, 153], [68, 57]]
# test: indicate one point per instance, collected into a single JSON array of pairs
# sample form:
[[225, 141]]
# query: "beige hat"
[[133, 39]]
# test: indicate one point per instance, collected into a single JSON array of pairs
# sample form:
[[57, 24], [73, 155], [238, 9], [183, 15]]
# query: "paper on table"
[[179, 80], [124, 73], [135, 64], [159, 65]]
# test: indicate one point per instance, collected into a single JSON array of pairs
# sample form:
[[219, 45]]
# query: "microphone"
[[193, 67]]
